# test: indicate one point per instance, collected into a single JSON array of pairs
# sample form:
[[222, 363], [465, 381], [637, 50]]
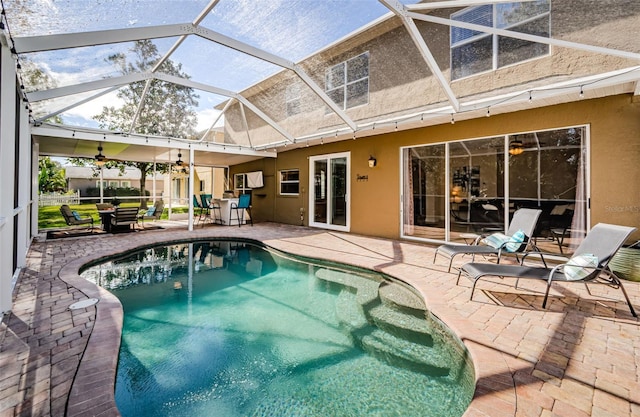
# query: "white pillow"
[[580, 266]]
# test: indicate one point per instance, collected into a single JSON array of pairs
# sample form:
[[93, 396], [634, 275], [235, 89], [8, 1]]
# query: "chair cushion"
[[515, 241], [150, 211], [510, 243], [496, 240], [76, 215], [580, 266]]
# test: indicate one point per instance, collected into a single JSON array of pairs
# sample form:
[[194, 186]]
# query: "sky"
[[291, 29]]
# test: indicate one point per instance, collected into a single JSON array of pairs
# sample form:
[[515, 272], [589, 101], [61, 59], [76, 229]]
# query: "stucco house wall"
[[404, 84]]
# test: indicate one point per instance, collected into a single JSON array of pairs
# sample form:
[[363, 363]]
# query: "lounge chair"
[[152, 213], [517, 239], [72, 218], [588, 263]]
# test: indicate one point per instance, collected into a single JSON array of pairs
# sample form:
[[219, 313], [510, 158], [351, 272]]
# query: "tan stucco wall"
[[614, 124], [401, 82]]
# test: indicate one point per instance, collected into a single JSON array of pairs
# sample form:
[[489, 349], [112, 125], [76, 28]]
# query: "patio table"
[[105, 219]]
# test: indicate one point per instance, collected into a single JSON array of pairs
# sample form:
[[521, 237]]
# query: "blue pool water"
[[231, 329]]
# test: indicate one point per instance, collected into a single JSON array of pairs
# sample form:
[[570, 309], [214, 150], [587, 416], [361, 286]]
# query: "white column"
[[101, 185], [22, 213], [7, 175], [35, 206], [191, 188], [153, 187]]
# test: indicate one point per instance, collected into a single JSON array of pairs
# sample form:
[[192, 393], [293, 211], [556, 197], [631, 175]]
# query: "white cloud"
[[208, 116], [94, 107]]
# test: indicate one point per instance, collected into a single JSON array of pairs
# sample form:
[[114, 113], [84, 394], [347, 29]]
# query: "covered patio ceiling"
[[224, 49]]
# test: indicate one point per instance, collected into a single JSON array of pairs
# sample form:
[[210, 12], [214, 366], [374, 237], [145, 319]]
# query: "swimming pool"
[[229, 328]]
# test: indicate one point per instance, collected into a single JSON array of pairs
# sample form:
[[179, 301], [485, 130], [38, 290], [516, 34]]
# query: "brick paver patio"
[[579, 357]]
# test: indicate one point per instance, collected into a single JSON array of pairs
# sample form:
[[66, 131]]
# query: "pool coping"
[[93, 388]]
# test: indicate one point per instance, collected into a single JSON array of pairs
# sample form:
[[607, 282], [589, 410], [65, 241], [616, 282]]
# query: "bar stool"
[[216, 211]]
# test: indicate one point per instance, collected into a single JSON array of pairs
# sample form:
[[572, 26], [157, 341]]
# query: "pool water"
[[231, 329]]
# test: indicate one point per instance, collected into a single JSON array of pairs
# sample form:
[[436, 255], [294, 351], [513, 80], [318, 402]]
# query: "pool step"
[[366, 288], [405, 354], [402, 335], [399, 296], [401, 325]]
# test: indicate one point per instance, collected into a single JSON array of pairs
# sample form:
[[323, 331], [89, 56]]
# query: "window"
[[473, 51], [292, 97], [240, 183], [474, 185], [104, 184], [113, 184], [125, 184], [348, 82], [290, 182]]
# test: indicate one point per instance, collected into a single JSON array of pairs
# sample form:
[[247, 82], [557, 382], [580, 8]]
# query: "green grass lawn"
[[49, 217]]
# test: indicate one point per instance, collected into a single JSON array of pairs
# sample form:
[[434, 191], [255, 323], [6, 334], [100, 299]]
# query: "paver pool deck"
[[579, 357]]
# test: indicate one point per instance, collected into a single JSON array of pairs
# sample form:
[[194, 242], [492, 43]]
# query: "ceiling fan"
[[180, 166], [101, 159]]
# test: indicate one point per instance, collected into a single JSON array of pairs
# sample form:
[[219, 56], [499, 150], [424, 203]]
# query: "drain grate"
[[84, 304]]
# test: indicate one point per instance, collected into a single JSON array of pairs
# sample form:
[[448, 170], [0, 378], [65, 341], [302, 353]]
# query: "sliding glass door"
[[454, 190], [329, 197]]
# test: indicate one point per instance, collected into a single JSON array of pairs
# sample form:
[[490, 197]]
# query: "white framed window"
[[289, 182], [473, 52], [240, 184], [104, 184], [347, 83], [292, 98], [125, 184], [113, 184]]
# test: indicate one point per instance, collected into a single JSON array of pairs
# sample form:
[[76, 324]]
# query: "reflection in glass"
[[550, 174], [547, 172], [339, 191], [320, 191], [477, 186], [424, 192]]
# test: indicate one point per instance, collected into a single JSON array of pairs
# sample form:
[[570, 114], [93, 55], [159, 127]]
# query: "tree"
[[167, 109], [50, 176], [39, 80]]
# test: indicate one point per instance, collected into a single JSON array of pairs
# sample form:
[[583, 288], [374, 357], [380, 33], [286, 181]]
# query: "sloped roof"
[[227, 48]]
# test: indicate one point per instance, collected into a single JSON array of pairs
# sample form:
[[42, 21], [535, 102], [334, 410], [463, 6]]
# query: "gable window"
[[290, 182], [473, 51], [347, 83]]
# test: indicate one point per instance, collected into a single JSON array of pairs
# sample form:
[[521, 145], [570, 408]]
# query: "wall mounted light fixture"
[[372, 162]]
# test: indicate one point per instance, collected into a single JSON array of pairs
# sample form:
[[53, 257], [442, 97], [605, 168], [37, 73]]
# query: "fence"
[[57, 199]]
